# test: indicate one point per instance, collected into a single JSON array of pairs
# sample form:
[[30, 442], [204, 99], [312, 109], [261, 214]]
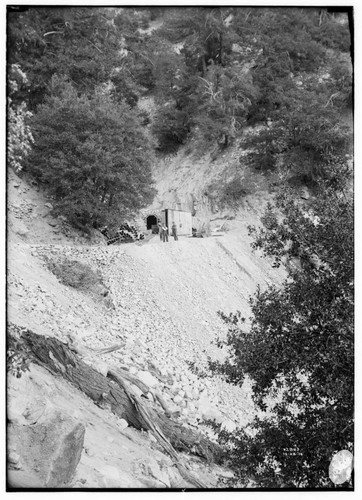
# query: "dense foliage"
[[91, 154], [75, 102], [212, 72], [244, 66], [299, 349], [306, 131], [80, 43]]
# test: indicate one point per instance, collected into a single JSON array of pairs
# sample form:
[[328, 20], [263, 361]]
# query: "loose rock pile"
[[157, 334], [156, 345], [156, 348]]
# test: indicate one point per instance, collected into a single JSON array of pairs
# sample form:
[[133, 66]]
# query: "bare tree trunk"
[[110, 199], [59, 359]]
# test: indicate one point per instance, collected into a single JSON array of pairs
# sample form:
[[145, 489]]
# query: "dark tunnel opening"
[[151, 221]]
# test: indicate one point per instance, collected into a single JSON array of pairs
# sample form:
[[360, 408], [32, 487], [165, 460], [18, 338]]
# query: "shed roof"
[[175, 210]]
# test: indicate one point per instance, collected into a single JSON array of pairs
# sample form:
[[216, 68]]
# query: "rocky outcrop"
[[50, 451]]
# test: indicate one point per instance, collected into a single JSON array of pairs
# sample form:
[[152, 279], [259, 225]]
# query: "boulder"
[[20, 228], [14, 460], [122, 423], [147, 378], [50, 450], [100, 366], [40, 211]]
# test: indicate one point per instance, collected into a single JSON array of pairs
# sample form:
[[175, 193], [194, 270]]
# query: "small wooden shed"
[[181, 218]]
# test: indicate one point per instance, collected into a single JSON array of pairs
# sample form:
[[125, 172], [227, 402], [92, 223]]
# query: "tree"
[[299, 349], [306, 132], [282, 43], [202, 32], [169, 73], [92, 155], [82, 43], [224, 97], [331, 32], [255, 66]]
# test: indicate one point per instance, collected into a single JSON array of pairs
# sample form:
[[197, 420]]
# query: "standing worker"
[[160, 230], [164, 233], [174, 231]]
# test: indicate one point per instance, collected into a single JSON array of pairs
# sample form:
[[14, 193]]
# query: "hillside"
[[114, 115], [166, 298]]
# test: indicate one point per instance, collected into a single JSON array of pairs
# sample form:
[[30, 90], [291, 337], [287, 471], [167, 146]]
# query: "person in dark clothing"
[[174, 231]]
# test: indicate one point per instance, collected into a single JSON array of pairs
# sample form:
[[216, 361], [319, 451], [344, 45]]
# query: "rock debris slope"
[[162, 308]]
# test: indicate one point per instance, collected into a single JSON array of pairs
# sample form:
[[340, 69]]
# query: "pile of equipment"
[[125, 233]]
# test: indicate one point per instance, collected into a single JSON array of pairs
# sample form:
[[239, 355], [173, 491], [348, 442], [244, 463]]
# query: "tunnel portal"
[[151, 221]]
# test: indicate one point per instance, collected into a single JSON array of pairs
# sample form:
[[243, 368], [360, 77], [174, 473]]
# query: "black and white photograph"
[[180, 235]]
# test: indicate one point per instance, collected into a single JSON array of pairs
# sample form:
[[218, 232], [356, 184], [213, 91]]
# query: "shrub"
[[232, 192], [299, 349], [80, 276], [17, 357], [92, 154]]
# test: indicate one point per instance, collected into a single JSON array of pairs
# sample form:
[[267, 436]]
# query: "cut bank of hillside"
[[165, 300]]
